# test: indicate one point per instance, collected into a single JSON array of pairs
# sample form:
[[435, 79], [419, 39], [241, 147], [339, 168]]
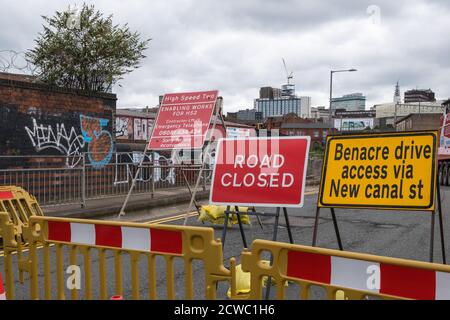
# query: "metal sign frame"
[[216, 112]]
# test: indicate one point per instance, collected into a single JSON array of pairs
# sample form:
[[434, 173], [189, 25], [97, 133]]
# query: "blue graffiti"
[[100, 143]]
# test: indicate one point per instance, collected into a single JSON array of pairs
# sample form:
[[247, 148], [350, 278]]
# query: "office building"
[[269, 93], [275, 102], [301, 106], [349, 102], [245, 115], [419, 95]]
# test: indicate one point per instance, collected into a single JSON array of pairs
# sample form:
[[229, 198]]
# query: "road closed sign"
[[385, 171], [264, 171], [183, 120]]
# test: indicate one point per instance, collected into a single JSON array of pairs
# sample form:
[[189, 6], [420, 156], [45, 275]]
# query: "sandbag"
[[216, 215], [243, 280]]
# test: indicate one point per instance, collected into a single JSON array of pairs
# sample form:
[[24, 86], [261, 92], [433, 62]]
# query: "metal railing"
[[56, 180]]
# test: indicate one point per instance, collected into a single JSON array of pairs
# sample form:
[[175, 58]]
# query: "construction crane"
[[288, 75]]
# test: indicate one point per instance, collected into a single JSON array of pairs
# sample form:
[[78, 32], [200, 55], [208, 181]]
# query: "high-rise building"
[[397, 95], [349, 102], [275, 102], [269, 93], [419, 95]]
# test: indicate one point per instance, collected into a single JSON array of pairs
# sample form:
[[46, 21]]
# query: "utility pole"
[[331, 92]]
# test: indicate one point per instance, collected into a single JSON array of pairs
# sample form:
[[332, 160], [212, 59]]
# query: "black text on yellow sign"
[[385, 171]]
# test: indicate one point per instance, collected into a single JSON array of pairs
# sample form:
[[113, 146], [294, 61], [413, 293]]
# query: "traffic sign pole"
[[205, 153]]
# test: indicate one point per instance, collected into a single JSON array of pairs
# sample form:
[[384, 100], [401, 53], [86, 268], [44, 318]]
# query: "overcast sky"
[[237, 46]]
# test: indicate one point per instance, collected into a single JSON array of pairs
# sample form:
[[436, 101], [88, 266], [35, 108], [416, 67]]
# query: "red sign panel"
[[269, 171], [183, 120]]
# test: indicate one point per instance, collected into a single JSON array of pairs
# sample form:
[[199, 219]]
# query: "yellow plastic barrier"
[[19, 204], [2, 289], [243, 282], [344, 275], [216, 215], [51, 239]]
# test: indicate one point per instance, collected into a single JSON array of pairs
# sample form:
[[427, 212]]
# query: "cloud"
[[237, 46]]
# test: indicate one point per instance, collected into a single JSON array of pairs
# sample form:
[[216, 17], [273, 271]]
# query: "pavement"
[[402, 234], [138, 205]]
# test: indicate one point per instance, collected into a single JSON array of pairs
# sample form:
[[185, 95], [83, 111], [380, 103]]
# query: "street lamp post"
[[331, 90]]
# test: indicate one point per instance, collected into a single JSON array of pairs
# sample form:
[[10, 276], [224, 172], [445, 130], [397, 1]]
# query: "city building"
[[397, 95], [417, 122], [279, 107], [346, 121], [269, 93], [419, 95], [274, 102], [320, 114], [388, 113], [292, 125], [245, 115], [349, 102]]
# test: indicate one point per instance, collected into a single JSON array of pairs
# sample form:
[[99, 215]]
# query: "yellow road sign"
[[384, 171]]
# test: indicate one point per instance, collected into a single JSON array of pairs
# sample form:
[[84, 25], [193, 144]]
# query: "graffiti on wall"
[[129, 162], [140, 129], [99, 141], [133, 128], [67, 142], [94, 137], [124, 128]]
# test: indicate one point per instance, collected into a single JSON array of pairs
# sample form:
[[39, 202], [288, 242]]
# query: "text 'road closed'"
[[384, 170], [260, 171]]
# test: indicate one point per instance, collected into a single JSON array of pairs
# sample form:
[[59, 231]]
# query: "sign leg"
[[288, 225], [259, 219], [133, 183], [205, 153], [190, 190], [244, 241], [316, 227], [433, 218], [336, 229], [225, 226], [441, 223]]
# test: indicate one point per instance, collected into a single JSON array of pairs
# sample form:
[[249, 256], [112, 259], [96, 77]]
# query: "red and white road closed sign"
[[183, 120], [268, 171]]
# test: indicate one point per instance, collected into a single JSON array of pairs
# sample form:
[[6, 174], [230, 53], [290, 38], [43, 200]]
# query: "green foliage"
[[85, 50]]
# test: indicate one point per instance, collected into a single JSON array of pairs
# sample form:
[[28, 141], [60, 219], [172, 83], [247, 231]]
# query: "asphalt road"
[[402, 234]]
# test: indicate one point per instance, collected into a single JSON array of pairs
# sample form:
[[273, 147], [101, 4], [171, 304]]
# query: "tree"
[[82, 49]]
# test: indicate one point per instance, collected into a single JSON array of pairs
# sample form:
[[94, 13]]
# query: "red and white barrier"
[[2, 289], [126, 238], [6, 195], [387, 279]]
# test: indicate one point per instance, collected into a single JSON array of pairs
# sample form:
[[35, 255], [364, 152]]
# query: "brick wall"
[[36, 119]]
